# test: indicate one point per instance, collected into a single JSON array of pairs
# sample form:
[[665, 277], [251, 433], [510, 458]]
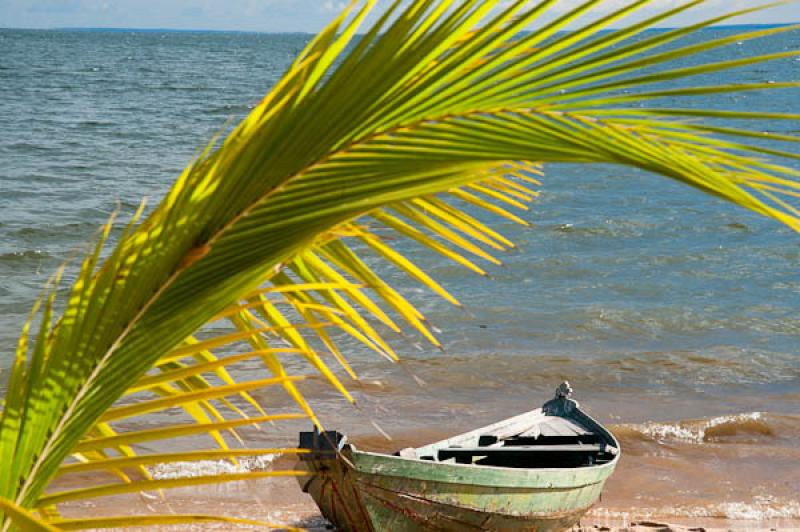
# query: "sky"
[[274, 15]]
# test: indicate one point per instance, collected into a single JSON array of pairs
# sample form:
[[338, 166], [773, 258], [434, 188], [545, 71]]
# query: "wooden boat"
[[541, 470]]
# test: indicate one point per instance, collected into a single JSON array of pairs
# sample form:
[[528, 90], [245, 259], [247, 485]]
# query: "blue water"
[[618, 266], [658, 302]]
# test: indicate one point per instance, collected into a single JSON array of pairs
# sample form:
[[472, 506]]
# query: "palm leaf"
[[259, 250], [23, 519]]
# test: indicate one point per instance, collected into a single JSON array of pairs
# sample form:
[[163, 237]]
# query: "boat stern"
[[331, 480]]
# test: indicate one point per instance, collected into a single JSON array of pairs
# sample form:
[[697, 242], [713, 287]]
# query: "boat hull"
[[378, 492], [541, 470]]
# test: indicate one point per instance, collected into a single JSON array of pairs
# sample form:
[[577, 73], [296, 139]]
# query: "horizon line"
[[299, 32]]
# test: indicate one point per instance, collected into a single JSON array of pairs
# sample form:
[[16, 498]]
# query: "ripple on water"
[[631, 285], [23, 256]]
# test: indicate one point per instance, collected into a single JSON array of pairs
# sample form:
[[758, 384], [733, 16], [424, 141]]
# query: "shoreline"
[[636, 498], [280, 502], [715, 471], [731, 472]]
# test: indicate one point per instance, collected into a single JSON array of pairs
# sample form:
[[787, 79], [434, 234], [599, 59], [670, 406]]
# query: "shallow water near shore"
[[728, 471], [675, 316]]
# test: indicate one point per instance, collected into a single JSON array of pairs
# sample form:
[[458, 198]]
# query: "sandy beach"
[[639, 497], [281, 503], [719, 472]]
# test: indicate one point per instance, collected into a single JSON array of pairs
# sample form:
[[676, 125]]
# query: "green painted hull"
[[364, 491]]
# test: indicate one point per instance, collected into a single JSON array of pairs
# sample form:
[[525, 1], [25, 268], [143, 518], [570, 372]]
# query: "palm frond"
[[23, 519], [442, 109]]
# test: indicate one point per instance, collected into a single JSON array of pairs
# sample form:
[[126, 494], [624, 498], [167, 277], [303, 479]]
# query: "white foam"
[[761, 508], [201, 468], [691, 432]]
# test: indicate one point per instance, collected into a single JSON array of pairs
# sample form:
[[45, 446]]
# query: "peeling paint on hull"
[[363, 491]]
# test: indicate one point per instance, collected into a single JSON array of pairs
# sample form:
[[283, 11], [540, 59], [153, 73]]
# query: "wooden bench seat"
[[521, 450]]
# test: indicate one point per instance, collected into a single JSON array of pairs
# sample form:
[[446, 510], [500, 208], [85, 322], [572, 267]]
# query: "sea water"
[[675, 315]]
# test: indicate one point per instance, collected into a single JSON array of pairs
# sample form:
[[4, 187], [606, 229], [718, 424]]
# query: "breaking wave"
[[762, 508], [751, 425], [211, 467]]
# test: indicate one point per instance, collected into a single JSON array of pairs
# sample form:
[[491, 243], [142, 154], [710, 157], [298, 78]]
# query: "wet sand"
[[690, 475], [728, 467], [280, 501]]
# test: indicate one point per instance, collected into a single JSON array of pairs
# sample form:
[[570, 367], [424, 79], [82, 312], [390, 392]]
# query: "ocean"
[[675, 315]]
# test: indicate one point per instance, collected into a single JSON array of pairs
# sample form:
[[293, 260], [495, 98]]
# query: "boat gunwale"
[[383, 464]]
